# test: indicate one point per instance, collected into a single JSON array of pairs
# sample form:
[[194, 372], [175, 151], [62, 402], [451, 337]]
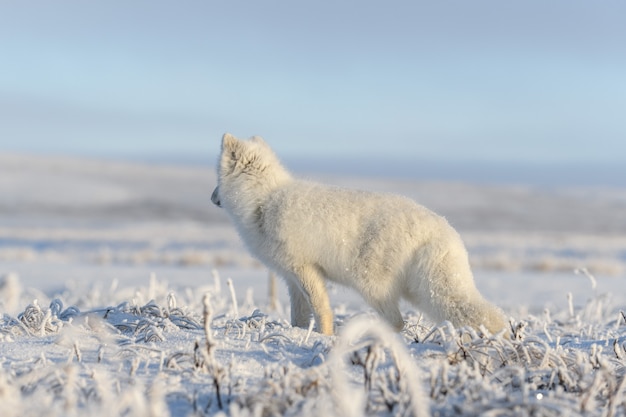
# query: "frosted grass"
[[167, 352]]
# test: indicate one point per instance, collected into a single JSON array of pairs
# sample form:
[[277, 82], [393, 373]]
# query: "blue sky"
[[504, 81]]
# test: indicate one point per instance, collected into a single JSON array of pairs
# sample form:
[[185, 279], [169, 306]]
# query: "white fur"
[[385, 246]]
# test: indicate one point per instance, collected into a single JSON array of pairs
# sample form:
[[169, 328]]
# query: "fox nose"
[[215, 197]]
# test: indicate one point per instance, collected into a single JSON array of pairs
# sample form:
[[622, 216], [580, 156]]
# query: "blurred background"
[[528, 91], [505, 117]]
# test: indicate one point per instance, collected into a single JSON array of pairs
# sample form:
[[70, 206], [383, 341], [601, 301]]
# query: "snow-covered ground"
[[109, 270]]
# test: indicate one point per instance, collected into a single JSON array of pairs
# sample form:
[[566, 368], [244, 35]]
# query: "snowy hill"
[[97, 209]]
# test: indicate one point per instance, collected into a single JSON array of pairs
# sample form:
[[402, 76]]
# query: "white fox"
[[385, 246]]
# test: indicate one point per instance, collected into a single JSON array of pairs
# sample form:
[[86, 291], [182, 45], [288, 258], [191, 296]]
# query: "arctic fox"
[[385, 246]]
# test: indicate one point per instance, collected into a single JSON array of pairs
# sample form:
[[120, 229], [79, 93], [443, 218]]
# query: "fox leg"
[[300, 310], [312, 289], [388, 308]]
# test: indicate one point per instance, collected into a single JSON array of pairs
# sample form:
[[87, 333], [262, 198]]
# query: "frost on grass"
[[156, 351]]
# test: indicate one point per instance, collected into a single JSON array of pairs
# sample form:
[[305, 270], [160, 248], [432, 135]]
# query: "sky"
[[484, 81]]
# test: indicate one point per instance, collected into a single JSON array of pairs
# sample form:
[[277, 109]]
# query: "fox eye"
[[233, 155]]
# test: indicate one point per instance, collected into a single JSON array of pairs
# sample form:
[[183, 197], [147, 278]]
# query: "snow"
[[115, 299]]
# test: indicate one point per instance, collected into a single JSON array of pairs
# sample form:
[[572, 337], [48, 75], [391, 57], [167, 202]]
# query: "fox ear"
[[259, 140], [229, 142]]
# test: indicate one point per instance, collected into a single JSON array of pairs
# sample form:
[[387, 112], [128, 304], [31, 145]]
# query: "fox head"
[[247, 171]]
